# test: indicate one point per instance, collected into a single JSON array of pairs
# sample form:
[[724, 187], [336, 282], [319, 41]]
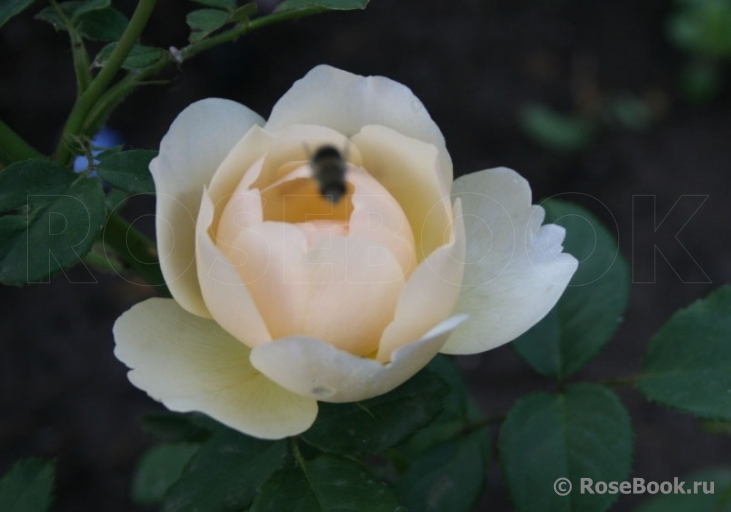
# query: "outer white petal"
[[515, 271], [312, 368], [346, 102], [191, 364], [196, 144]]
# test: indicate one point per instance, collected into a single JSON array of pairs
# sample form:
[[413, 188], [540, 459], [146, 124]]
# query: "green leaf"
[[158, 471], [27, 487], [103, 25], [327, 484], [373, 425], [591, 308], [129, 171], [688, 362], [692, 502], [449, 477], [89, 6], [175, 427], [61, 215], [226, 473], [339, 5], [10, 8], [556, 131], [139, 57], [228, 5], [205, 21], [582, 433], [244, 12], [456, 409]]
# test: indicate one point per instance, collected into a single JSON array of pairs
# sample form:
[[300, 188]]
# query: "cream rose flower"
[[282, 298]]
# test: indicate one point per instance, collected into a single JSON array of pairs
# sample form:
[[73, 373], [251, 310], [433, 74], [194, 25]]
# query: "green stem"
[[78, 50], [243, 28], [117, 93], [13, 148], [135, 250], [88, 99]]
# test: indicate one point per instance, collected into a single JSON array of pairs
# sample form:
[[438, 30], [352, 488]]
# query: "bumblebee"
[[328, 169]]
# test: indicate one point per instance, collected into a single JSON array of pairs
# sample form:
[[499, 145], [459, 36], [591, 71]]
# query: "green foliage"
[[556, 131], [103, 25], [717, 502], [27, 487], [701, 82], [228, 5], [584, 432], [703, 28], [10, 8], [688, 362], [52, 219], [444, 466], [205, 21], [341, 5], [139, 57], [129, 171], [450, 476], [159, 469], [371, 426], [226, 473], [94, 19], [325, 484], [591, 308], [174, 427]]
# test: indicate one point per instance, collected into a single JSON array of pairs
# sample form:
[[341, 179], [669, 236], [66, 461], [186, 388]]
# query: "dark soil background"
[[474, 64]]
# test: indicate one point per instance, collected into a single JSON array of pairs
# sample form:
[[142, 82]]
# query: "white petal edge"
[[190, 364], [312, 368], [346, 102], [515, 271], [195, 145]]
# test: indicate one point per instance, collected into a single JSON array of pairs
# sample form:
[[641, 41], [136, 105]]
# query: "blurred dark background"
[[601, 99]]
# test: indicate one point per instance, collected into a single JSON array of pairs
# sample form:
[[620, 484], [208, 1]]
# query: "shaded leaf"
[[61, 215], [159, 469], [129, 171], [207, 20], [688, 362], [449, 477], [582, 433], [226, 473], [27, 487], [555, 131], [695, 499], [139, 57], [175, 427], [103, 25], [228, 5], [10, 8], [341, 5], [326, 484], [593, 305], [374, 425]]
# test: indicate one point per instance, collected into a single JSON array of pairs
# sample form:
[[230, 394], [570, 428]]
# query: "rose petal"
[[346, 102], [191, 364], [515, 270], [313, 368], [334, 291], [226, 295], [407, 168], [196, 143], [430, 293]]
